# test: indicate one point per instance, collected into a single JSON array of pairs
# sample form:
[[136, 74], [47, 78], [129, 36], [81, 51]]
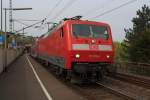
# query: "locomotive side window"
[[61, 33], [90, 31]]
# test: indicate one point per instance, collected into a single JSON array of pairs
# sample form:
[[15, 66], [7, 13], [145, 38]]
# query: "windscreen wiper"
[[74, 33]]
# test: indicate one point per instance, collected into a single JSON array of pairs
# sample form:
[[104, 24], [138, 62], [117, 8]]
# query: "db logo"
[[93, 47]]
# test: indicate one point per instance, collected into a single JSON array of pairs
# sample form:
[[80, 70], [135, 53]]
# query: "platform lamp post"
[[1, 27], [1, 32], [1, 15], [5, 44]]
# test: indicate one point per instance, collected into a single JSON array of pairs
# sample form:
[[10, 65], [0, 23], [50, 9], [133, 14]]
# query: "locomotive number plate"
[[93, 47]]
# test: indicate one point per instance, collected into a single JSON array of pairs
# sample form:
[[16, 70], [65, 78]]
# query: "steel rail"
[[140, 81], [120, 94]]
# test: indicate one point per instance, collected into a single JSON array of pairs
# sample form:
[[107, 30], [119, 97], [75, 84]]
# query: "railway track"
[[102, 91], [126, 89], [91, 91], [97, 92], [139, 90], [106, 90], [114, 91], [140, 81]]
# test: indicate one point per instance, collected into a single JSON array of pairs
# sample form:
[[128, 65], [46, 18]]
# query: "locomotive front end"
[[92, 49]]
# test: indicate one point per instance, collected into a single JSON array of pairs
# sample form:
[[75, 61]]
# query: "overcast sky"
[[118, 19]]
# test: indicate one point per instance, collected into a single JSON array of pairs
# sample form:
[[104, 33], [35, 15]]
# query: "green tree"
[[137, 40], [120, 52]]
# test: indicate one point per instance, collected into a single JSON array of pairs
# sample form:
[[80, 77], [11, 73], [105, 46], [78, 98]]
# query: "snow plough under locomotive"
[[77, 48]]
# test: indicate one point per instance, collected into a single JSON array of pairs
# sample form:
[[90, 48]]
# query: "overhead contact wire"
[[116, 8], [51, 11], [96, 9], [64, 8]]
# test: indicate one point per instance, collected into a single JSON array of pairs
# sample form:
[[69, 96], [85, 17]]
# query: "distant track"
[[97, 92], [140, 81], [120, 94], [130, 88]]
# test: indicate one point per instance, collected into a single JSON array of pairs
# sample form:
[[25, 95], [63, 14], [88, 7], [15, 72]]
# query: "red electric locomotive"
[[78, 48]]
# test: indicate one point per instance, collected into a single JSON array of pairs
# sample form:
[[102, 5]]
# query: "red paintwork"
[[55, 46]]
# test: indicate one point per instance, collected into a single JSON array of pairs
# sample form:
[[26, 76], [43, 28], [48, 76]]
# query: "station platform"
[[26, 79]]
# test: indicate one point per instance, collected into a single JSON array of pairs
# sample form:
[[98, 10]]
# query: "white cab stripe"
[[86, 47], [80, 46], [105, 47]]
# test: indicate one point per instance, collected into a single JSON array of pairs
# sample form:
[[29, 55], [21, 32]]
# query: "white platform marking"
[[40, 82]]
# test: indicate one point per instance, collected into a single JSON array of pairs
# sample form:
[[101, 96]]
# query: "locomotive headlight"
[[77, 56], [93, 41], [108, 56]]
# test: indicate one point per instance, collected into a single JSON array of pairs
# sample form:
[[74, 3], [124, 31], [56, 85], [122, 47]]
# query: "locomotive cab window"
[[61, 33], [90, 31]]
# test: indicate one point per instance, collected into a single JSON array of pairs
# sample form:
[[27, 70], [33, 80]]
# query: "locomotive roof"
[[71, 21], [84, 21], [78, 19]]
